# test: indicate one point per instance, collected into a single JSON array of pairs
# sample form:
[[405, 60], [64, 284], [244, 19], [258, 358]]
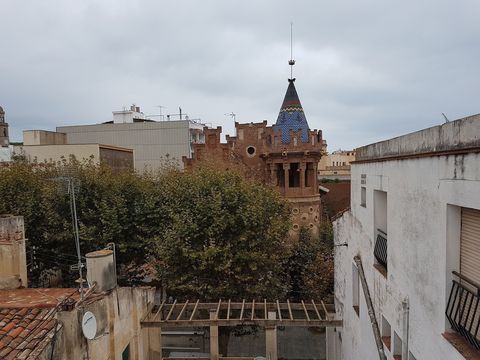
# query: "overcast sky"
[[366, 70]]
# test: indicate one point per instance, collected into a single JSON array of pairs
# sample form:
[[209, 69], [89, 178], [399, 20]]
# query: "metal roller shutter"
[[470, 244], [469, 314]]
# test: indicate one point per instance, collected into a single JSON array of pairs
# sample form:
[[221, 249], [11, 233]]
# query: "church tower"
[[284, 155], [292, 161], [4, 140], [293, 158]]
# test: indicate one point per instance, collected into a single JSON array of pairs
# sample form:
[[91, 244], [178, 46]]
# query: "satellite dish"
[[89, 325]]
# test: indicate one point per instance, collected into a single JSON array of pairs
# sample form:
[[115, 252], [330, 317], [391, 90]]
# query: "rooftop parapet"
[[459, 136]]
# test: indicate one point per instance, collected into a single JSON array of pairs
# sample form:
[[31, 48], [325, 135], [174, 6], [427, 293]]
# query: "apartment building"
[[153, 142], [336, 165], [47, 146], [407, 258]]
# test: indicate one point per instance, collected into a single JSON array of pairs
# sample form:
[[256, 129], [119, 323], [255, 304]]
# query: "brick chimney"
[[13, 258]]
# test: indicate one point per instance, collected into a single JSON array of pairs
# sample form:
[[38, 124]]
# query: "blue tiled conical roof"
[[291, 116]]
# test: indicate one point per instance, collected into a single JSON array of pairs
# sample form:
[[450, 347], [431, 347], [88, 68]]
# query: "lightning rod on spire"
[[291, 62]]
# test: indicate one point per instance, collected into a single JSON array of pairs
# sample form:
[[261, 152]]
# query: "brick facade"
[[287, 160]]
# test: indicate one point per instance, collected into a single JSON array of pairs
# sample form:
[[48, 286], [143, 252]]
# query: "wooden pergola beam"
[[270, 305], [244, 322]]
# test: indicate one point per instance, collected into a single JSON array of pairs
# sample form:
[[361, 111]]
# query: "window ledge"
[[462, 346], [381, 270]]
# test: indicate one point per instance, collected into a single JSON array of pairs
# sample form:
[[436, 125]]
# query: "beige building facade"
[[46, 146], [336, 165]]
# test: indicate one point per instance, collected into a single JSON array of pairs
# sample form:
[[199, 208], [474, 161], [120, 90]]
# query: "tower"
[[293, 158], [4, 141], [292, 161]]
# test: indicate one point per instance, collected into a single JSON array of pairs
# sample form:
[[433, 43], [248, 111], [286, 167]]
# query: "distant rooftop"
[[38, 298]]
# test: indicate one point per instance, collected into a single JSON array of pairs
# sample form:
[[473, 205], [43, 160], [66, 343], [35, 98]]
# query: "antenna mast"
[[291, 62]]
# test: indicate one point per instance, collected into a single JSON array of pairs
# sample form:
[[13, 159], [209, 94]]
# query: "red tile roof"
[[25, 332], [38, 298], [27, 320]]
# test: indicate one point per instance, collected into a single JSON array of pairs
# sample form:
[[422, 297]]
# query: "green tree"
[[226, 237]]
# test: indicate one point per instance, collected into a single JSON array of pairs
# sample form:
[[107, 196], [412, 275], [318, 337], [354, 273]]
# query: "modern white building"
[[152, 141], [410, 246]]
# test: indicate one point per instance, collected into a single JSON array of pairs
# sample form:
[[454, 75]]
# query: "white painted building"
[[414, 219], [152, 141]]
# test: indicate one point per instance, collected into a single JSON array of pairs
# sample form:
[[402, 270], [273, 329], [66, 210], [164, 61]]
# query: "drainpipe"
[[371, 311], [406, 315]]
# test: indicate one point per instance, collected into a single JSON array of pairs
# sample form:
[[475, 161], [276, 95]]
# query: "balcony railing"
[[380, 251], [463, 308]]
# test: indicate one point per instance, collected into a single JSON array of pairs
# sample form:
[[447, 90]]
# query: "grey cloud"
[[366, 70]]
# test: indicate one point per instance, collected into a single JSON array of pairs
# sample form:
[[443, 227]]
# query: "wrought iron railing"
[[380, 251], [463, 308]]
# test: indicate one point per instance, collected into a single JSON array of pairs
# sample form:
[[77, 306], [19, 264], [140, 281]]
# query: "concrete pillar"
[[273, 174], [302, 175], [286, 168], [214, 353], [271, 338], [13, 258], [155, 341]]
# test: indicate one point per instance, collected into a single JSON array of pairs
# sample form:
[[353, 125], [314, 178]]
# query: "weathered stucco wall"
[[423, 245], [13, 258], [118, 316]]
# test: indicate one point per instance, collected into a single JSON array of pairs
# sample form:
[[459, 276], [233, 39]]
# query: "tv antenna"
[[232, 115], [445, 117], [160, 107], [70, 182], [291, 62]]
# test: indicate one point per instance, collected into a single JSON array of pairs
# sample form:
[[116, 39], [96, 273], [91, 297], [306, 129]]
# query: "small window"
[[355, 289], [380, 252], [251, 151], [126, 353], [397, 346], [363, 179], [386, 333], [363, 199]]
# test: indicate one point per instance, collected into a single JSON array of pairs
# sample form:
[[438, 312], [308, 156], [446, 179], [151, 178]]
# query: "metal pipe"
[[406, 316], [371, 311]]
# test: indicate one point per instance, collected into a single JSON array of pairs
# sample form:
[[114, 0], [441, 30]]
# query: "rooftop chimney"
[[13, 258]]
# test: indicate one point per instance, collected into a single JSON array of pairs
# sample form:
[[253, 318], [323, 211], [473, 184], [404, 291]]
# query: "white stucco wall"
[[424, 196]]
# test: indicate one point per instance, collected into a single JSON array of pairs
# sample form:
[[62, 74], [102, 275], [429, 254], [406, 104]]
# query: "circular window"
[[316, 218], [311, 209], [251, 151], [295, 211], [311, 225], [296, 227], [304, 216]]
